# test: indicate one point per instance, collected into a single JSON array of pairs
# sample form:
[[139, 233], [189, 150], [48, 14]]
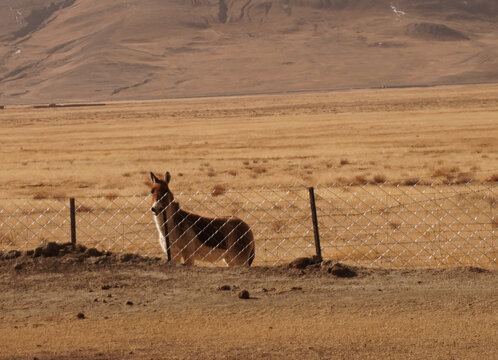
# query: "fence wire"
[[381, 225]]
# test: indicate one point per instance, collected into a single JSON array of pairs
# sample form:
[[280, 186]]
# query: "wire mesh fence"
[[375, 225], [410, 226]]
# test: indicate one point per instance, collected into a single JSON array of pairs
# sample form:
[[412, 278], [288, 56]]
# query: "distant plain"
[[433, 135]]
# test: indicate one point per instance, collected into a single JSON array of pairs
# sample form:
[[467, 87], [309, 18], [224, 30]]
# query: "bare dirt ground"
[[112, 307]]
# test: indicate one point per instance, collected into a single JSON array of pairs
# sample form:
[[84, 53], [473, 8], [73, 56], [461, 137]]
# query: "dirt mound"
[[304, 262], [328, 267], [432, 31], [68, 257], [72, 258], [63, 257]]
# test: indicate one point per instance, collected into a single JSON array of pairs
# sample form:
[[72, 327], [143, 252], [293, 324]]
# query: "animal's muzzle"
[[157, 208], [156, 211]]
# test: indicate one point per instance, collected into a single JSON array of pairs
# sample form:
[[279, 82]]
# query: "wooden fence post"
[[315, 223], [72, 209]]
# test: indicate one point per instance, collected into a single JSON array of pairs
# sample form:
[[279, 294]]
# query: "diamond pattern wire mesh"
[[421, 226], [24, 224], [409, 226]]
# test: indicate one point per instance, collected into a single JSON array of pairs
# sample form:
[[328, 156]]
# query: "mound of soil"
[[432, 31], [63, 257], [68, 257], [328, 267], [304, 262]]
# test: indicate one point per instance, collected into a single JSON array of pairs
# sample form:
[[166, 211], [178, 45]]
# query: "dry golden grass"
[[406, 137], [440, 134]]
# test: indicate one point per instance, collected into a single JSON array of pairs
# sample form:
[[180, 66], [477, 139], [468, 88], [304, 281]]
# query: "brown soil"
[[79, 305]]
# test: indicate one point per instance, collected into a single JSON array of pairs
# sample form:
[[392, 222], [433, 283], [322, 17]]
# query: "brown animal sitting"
[[193, 237]]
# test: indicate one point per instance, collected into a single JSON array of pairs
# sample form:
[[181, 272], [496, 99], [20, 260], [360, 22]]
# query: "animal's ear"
[[167, 177], [153, 177]]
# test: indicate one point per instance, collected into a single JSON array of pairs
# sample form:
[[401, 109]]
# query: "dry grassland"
[[440, 134]]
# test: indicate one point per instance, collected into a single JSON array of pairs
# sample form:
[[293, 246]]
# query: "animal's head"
[[161, 195]]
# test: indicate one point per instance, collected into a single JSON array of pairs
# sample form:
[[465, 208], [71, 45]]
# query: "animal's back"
[[225, 233]]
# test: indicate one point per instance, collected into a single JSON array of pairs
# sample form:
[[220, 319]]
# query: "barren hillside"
[[77, 50]]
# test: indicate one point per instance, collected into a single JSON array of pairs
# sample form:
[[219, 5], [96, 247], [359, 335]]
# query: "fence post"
[[315, 223], [72, 209], [166, 234]]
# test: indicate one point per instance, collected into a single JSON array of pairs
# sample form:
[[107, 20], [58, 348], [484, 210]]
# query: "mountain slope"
[[79, 50]]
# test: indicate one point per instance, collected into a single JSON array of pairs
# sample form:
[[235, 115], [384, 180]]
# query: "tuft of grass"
[[83, 209], [446, 171], [341, 180], [40, 196], [218, 190], [59, 196], [464, 178], [493, 178], [394, 225], [344, 162], [112, 196], [411, 181], [259, 169], [232, 172], [277, 226], [360, 180], [379, 179]]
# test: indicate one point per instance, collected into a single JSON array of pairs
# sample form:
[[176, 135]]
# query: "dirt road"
[[111, 307]]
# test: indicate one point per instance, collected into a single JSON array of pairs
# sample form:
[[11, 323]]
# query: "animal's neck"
[[171, 214]]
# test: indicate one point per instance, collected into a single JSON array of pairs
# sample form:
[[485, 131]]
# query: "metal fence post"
[[315, 223], [72, 209], [166, 234]]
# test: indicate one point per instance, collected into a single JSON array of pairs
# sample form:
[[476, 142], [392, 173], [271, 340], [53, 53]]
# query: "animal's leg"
[[234, 260], [237, 255], [188, 258], [162, 242]]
